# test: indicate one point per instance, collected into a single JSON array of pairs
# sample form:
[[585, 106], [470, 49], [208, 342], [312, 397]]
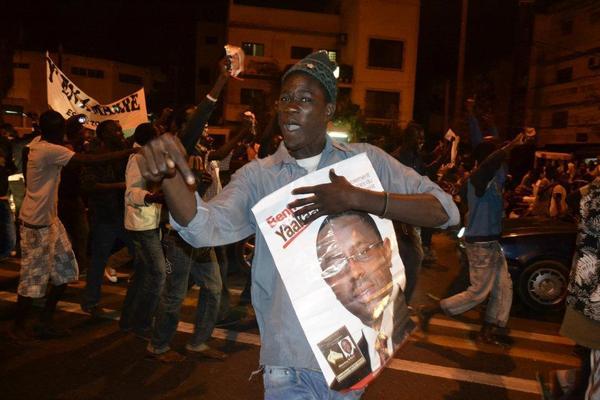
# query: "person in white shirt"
[[142, 220], [47, 255]]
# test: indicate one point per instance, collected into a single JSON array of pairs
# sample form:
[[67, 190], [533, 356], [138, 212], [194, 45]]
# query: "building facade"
[[563, 99], [104, 80], [373, 41]]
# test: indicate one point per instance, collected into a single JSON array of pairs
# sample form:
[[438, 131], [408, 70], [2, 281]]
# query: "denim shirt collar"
[[282, 156]]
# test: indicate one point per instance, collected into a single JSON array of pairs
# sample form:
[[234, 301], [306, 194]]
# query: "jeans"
[[104, 234], [300, 384], [184, 260], [8, 235], [143, 293], [223, 261], [488, 274]]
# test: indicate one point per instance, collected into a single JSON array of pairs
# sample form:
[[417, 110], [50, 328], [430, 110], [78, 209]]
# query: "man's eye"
[[306, 99], [284, 99]]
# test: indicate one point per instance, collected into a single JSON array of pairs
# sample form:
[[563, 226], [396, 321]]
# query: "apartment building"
[[563, 98], [373, 41]]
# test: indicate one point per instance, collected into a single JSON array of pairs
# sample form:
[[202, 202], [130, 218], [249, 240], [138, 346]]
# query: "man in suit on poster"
[[356, 263]]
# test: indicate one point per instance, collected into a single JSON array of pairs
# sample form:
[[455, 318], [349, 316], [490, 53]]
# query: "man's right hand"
[[162, 158]]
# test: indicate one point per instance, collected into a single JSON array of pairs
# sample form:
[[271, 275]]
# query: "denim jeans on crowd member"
[[8, 236], [143, 293], [488, 274], [300, 384], [104, 235], [184, 260]]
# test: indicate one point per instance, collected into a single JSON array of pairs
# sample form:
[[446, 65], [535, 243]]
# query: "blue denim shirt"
[[228, 218], [484, 218]]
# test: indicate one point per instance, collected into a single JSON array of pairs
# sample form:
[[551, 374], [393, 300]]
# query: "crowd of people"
[[79, 193]]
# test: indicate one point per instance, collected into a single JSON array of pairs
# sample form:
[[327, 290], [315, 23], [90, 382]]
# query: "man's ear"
[[387, 250], [330, 110]]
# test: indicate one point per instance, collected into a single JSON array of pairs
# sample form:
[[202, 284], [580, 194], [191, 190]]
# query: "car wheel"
[[245, 252], [543, 285]]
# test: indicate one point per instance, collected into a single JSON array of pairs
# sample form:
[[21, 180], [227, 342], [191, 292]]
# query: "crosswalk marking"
[[538, 337], [464, 375], [465, 344], [483, 378]]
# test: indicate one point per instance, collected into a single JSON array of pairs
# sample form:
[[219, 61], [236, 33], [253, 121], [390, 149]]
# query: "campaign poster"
[[344, 276], [66, 98]]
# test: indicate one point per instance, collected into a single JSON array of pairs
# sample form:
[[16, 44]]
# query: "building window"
[[566, 26], [594, 62], [251, 97], [385, 53], [203, 76], [21, 65], [560, 119], [78, 71], [299, 53], [595, 17], [91, 73], [211, 40], [383, 105], [133, 79], [253, 49], [564, 75]]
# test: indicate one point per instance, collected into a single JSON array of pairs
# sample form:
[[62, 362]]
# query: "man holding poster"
[[306, 104]]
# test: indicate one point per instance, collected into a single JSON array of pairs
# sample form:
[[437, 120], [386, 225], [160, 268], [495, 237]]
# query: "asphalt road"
[[100, 362]]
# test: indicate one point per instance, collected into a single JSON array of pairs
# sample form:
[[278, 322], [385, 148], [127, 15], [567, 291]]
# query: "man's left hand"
[[327, 198]]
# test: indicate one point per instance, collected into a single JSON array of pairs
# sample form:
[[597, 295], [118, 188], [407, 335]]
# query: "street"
[[99, 361]]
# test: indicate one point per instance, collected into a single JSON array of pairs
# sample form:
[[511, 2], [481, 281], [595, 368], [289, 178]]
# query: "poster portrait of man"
[[355, 263]]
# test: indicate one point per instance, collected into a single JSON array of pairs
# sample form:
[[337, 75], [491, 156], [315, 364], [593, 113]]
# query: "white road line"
[[517, 352], [538, 337], [464, 375], [458, 374], [441, 322]]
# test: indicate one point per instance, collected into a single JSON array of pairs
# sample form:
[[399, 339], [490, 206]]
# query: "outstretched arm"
[[422, 209], [195, 126], [485, 172], [164, 160]]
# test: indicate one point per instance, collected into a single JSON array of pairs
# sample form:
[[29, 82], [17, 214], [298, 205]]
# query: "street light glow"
[[338, 134]]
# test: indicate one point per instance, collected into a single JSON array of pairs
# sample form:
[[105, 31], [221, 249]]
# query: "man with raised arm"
[[306, 104]]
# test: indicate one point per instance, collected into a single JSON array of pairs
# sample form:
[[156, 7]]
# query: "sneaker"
[[111, 275], [487, 336], [206, 351]]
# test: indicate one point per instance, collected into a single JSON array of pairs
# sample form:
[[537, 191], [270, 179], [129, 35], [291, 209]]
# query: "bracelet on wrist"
[[385, 207]]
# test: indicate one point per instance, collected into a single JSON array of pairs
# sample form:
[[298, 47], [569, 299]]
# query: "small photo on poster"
[[342, 354]]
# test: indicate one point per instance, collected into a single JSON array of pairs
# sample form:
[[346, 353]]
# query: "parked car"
[[538, 252]]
